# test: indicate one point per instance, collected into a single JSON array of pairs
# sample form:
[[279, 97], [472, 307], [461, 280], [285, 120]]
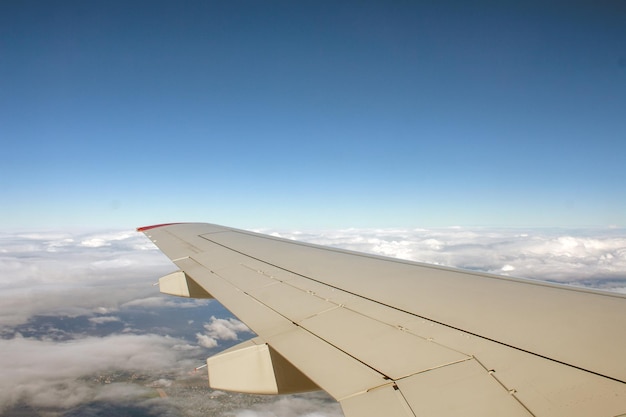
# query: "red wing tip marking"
[[154, 226]]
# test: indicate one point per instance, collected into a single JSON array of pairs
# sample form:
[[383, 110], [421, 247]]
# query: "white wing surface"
[[387, 337]]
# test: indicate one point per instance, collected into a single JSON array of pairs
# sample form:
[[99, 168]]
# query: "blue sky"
[[312, 114]]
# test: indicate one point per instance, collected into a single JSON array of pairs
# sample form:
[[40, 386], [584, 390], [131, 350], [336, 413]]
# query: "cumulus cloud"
[[220, 329]]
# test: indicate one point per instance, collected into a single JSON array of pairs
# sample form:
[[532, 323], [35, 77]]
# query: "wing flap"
[[464, 388], [389, 350], [331, 369], [382, 401]]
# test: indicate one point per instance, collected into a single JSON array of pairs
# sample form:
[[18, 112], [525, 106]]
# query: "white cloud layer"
[[62, 274]]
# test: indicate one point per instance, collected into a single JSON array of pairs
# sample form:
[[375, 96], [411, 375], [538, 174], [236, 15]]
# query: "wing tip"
[[154, 226]]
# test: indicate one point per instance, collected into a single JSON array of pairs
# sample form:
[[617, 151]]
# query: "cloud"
[[164, 301], [107, 239], [315, 404], [104, 319], [57, 273], [46, 373], [120, 392], [206, 341], [220, 329]]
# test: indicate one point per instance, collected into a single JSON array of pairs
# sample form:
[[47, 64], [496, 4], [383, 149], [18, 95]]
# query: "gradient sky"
[[312, 114]]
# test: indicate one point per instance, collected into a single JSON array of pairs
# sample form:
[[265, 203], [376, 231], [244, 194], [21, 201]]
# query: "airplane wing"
[[388, 337]]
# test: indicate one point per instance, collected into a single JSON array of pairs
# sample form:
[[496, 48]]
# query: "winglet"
[[154, 226]]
